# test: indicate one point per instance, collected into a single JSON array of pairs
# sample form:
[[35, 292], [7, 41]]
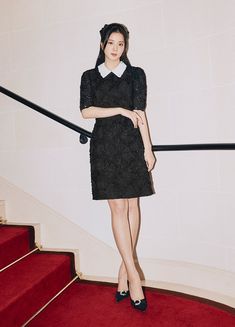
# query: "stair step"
[[31, 283], [15, 241], [17, 260], [51, 300]]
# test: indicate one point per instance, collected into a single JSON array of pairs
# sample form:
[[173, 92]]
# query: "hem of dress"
[[122, 197]]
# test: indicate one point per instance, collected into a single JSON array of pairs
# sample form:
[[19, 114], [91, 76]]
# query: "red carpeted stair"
[[27, 285], [30, 283], [15, 242]]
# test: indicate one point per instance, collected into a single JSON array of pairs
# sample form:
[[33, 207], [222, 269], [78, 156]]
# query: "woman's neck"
[[111, 64]]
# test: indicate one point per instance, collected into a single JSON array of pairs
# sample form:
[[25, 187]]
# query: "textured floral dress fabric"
[[118, 168]]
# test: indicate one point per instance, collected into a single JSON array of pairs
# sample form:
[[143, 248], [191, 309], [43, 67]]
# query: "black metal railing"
[[84, 134]]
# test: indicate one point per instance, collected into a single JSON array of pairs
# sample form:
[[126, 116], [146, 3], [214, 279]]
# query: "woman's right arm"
[[100, 112]]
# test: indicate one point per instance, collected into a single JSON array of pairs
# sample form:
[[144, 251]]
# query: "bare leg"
[[122, 236], [134, 221]]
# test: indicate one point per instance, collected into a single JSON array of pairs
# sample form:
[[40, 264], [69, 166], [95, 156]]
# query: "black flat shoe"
[[139, 304], [121, 295]]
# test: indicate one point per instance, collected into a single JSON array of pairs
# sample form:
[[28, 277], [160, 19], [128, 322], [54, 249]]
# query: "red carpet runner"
[[27, 285]]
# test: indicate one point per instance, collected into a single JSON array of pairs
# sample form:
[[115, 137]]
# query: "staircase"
[[30, 278]]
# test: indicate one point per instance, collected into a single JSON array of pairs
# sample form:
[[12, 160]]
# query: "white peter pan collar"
[[119, 70]]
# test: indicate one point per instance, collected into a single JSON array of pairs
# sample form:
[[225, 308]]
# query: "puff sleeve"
[[86, 98], [139, 89]]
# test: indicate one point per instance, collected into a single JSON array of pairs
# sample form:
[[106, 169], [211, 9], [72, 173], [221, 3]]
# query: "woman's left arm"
[[144, 131]]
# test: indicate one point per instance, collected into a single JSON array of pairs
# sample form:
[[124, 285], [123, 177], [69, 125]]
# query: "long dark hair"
[[105, 33]]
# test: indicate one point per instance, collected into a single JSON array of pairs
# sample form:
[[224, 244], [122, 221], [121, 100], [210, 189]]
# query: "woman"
[[121, 157]]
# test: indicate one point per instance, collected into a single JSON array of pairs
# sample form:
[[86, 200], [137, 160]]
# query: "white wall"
[[187, 50]]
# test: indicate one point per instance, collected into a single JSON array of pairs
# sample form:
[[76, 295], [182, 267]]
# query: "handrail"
[[84, 134]]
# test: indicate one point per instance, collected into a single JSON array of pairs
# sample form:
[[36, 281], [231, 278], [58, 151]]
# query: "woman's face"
[[114, 47]]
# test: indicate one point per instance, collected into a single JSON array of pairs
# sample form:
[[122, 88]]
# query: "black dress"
[[118, 168]]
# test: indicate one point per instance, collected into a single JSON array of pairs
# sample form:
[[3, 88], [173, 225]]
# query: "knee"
[[118, 206]]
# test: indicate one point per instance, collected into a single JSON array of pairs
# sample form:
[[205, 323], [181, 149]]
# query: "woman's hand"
[[149, 158], [134, 116]]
